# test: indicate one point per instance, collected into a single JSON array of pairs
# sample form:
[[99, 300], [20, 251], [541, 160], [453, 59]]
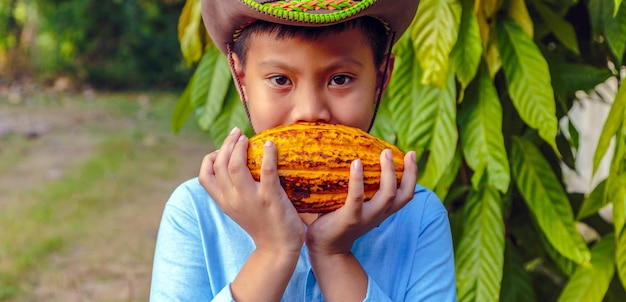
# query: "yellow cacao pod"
[[314, 162]]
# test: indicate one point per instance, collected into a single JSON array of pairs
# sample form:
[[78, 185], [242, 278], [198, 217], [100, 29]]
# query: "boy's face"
[[331, 79]]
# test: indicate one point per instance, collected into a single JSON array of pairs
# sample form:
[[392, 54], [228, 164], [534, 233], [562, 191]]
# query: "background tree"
[[478, 91], [107, 44]]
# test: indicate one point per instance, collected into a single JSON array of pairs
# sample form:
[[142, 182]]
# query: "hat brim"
[[223, 18]]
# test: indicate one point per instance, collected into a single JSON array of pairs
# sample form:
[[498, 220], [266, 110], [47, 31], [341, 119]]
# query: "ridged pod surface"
[[314, 162]]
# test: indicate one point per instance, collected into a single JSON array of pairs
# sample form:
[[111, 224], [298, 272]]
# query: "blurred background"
[[109, 45], [87, 154]]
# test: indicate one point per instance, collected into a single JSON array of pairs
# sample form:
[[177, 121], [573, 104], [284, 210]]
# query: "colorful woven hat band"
[[225, 18], [309, 11]]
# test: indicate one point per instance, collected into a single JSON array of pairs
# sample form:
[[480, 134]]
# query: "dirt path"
[[109, 257]]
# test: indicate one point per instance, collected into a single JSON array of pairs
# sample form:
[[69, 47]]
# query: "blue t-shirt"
[[200, 251]]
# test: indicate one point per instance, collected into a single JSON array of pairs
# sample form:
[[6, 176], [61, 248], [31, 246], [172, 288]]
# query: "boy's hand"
[[335, 232], [331, 236], [262, 208]]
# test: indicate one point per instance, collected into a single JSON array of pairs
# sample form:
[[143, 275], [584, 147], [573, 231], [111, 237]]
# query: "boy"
[[225, 237]]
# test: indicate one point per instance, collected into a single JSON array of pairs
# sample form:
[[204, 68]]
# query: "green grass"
[[53, 215]]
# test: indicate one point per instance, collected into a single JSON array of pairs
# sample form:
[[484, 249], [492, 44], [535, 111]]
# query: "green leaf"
[[189, 28], [481, 133], [528, 80], [620, 257], [434, 34], [609, 21], [232, 115], [183, 108], [616, 183], [562, 30], [444, 135], [447, 179], [590, 283], [412, 115], [614, 121], [593, 202], [547, 200], [519, 12], [615, 32], [516, 286], [465, 55], [480, 254], [212, 84], [567, 78], [617, 7], [384, 125]]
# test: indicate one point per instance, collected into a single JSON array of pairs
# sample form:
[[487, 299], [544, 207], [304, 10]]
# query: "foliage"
[[492, 78], [108, 44]]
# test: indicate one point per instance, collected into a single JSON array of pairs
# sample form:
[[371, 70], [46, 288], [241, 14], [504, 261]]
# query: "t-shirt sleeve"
[[179, 270], [433, 277], [375, 293]]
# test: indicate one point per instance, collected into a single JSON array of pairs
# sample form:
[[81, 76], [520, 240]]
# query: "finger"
[[356, 191], [206, 175], [238, 164], [270, 187], [386, 194], [407, 183], [222, 160]]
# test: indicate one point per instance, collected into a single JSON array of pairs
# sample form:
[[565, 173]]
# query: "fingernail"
[[234, 130], [356, 164], [387, 153], [268, 143], [413, 156]]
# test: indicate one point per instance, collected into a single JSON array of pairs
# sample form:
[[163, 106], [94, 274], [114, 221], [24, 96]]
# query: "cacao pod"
[[314, 162]]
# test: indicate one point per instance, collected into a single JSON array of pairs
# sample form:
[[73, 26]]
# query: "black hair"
[[374, 30]]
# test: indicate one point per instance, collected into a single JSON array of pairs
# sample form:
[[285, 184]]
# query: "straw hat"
[[223, 18]]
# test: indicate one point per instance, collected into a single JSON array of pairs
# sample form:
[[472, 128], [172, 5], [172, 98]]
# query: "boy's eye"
[[340, 80], [280, 80]]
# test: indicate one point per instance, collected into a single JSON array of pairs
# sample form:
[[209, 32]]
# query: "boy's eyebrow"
[[338, 63]]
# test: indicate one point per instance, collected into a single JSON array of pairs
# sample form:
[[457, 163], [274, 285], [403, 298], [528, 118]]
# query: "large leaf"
[[480, 254], [620, 257], [434, 34], [567, 78], [184, 107], [212, 84], [232, 115], [189, 31], [516, 286], [562, 30], [489, 7], [615, 32], [616, 193], [444, 136], [609, 22], [590, 283], [547, 200], [593, 202], [481, 133], [465, 55], [614, 121], [447, 179], [519, 12], [528, 80], [620, 205], [412, 116], [384, 126]]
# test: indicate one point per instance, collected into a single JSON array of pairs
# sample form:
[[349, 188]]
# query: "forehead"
[[350, 42]]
